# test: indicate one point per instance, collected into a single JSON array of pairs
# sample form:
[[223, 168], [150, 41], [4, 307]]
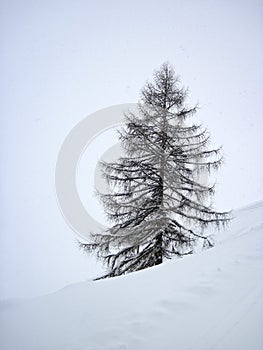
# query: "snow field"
[[210, 300]]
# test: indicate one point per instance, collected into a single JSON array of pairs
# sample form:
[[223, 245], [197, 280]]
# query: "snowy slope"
[[211, 300]]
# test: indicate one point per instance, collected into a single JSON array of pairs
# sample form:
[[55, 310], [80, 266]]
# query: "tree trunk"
[[159, 253]]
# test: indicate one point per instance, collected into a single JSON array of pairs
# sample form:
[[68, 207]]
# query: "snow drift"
[[211, 300]]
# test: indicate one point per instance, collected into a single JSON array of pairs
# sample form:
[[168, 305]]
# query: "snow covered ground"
[[211, 300]]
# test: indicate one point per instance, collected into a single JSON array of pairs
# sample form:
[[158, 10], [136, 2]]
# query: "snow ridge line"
[[254, 205], [249, 230]]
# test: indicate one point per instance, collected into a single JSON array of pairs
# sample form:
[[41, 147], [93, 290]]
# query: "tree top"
[[164, 91]]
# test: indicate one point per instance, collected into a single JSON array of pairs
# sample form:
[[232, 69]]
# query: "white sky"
[[62, 60]]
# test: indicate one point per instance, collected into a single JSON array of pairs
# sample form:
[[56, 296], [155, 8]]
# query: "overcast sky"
[[63, 60]]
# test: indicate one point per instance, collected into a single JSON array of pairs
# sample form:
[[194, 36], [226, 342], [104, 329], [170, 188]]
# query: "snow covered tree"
[[158, 205]]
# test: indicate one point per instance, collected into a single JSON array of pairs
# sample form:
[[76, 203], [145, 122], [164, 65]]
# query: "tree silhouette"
[[157, 204]]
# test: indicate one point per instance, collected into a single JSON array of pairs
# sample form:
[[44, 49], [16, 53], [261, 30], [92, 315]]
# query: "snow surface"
[[211, 300]]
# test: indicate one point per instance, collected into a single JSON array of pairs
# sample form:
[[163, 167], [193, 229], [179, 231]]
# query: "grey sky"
[[62, 60]]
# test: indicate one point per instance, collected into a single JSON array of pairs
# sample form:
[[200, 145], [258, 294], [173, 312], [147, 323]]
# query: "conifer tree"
[[158, 205]]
